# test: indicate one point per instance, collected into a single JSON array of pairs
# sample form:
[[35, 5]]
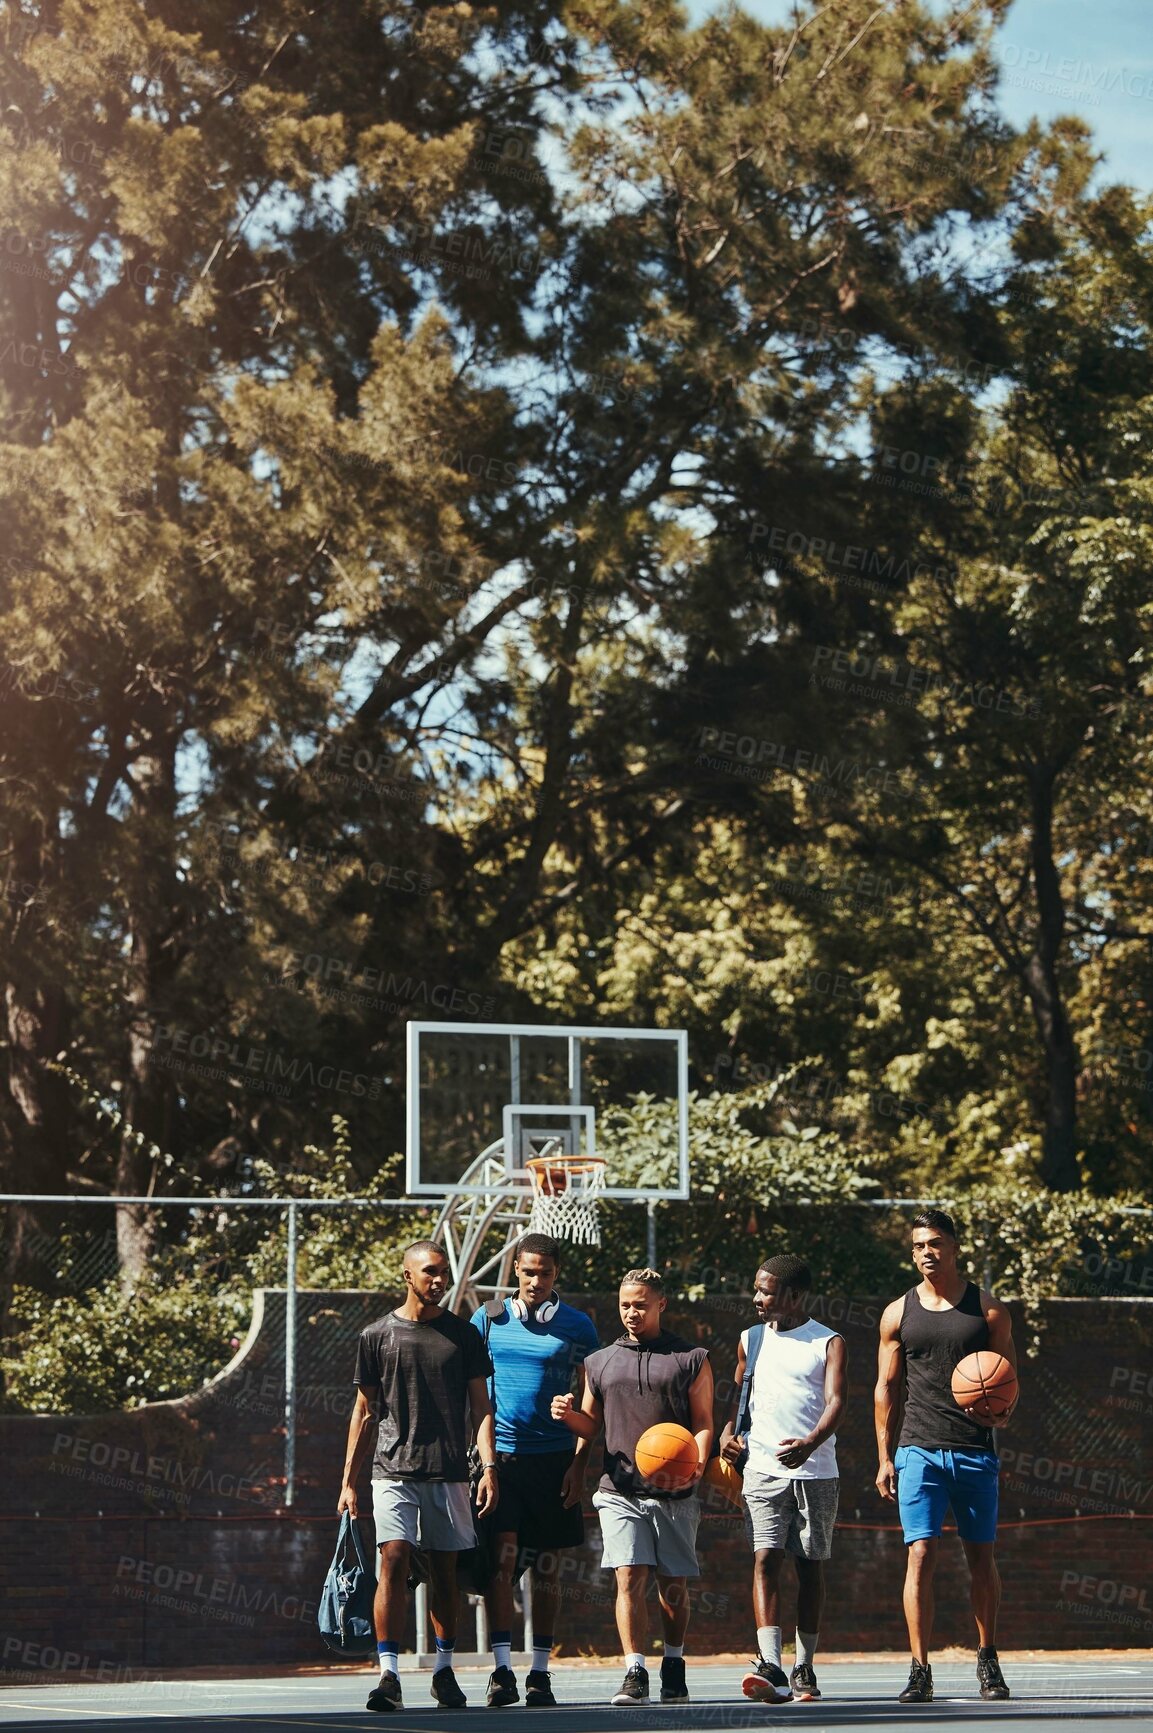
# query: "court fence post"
[[422, 1645], [290, 1362], [526, 1592]]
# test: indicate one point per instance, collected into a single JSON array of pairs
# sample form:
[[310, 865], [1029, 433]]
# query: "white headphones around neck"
[[544, 1313]]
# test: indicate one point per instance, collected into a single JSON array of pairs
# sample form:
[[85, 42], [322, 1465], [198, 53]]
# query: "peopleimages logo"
[[1112, 1482], [847, 556], [118, 1459], [248, 1060], [798, 760], [344, 979], [904, 680], [1098, 80]]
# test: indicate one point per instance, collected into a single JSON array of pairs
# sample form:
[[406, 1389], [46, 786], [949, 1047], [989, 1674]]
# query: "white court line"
[[68, 1709], [296, 1721]]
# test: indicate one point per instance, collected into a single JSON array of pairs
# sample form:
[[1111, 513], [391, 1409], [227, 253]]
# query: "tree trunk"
[[34, 1156], [1059, 1168], [558, 740], [151, 966]]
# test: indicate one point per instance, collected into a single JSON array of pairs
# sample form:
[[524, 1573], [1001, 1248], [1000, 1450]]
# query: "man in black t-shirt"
[[943, 1455], [425, 1372]]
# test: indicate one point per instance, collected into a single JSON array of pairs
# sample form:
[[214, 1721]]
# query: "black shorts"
[[530, 1505]]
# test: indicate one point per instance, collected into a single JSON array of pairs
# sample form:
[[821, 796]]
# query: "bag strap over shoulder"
[[756, 1337]]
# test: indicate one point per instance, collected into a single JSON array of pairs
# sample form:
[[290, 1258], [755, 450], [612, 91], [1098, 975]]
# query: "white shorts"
[[661, 1532], [433, 1514]]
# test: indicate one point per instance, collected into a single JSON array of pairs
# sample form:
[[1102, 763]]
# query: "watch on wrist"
[[495, 1466]]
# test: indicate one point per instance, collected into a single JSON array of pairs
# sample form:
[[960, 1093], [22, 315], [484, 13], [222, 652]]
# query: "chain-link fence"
[[81, 1324]]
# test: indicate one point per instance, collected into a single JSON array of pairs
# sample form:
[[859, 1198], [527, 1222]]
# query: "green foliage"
[[733, 1153], [1033, 1245], [105, 1347], [760, 1184]]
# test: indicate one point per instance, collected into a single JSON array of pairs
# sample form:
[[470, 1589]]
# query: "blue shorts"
[[929, 1481]]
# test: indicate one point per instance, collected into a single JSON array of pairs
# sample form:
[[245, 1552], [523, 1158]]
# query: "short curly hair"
[[646, 1278], [542, 1244], [793, 1274]]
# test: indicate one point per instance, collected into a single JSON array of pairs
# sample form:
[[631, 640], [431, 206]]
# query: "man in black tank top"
[[943, 1457]]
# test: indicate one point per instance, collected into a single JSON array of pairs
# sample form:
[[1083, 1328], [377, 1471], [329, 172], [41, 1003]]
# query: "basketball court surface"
[[1048, 1693]]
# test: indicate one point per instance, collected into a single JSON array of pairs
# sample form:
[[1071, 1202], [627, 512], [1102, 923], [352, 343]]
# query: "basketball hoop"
[[566, 1190]]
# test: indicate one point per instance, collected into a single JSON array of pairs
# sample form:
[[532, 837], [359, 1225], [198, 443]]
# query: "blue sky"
[[1092, 58]]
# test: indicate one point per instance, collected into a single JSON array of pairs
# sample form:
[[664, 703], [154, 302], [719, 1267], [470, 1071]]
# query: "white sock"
[[806, 1647], [674, 1651], [634, 1661], [541, 1656], [502, 1648], [443, 1655], [769, 1643], [388, 1654]]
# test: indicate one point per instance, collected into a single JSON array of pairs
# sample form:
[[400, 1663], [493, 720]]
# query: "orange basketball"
[[985, 1386], [667, 1456]]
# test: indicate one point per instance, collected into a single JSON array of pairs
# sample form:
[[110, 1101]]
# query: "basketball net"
[[566, 1190]]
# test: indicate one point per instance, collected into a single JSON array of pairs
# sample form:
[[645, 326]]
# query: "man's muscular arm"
[[1000, 1335], [887, 1397], [361, 1428]]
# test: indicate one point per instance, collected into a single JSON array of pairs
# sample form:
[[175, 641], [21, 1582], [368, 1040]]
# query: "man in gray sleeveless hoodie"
[[944, 1456], [646, 1377]]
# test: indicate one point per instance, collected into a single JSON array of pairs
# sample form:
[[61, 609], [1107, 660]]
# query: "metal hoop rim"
[[541, 1166]]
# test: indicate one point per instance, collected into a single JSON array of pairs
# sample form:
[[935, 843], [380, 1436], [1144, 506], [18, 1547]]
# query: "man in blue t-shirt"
[[538, 1347]]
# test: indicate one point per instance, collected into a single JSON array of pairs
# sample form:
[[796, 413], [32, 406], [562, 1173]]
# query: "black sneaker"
[[803, 1681], [990, 1679], [765, 1682], [386, 1695], [920, 1686], [502, 1688], [634, 1690], [538, 1691], [446, 1690], [673, 1687]]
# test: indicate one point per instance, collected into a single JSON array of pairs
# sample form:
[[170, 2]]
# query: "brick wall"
[[158, 1538]]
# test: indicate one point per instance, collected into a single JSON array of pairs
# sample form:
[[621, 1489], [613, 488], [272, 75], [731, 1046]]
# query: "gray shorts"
[[795, 1516], [433, 1514], [649, 1531]]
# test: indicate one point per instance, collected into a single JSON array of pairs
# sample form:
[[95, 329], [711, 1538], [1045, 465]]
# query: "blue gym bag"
[[345, 1616]]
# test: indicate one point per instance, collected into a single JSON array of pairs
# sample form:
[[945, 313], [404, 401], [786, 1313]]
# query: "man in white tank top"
[[786, 1415]]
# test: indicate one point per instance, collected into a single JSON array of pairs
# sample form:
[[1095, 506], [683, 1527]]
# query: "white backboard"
[[615, 1092]]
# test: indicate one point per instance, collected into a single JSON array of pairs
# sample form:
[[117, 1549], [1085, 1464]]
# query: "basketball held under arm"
[[1001, 1341]]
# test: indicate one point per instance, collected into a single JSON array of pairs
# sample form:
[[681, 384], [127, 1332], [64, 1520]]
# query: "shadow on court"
[[1131, 1711], [1058, 1691]]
